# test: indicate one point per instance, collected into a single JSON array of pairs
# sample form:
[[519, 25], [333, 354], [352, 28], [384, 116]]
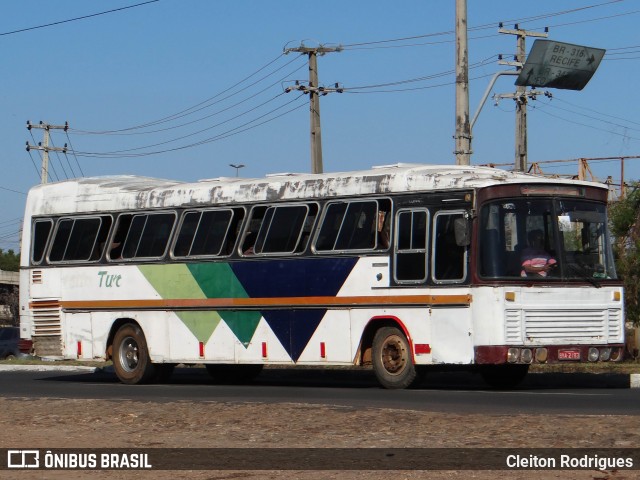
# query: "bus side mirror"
[[462, 229]]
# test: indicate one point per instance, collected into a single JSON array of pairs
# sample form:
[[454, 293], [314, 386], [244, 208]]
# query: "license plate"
[[568, 354]]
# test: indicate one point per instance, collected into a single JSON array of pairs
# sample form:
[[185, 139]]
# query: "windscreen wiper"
[[582, 273]]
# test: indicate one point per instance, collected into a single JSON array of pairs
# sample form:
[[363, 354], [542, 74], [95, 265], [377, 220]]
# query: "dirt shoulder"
[[55, 423]]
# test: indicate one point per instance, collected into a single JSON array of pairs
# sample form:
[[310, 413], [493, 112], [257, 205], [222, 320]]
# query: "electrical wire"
[[234, 131], [59, 160], [446, 73], [71, 146], [34, 163], [201, 105], [549, 104], [479, 27], [199, 131], [77, 18], [626, 137], [590, 20], [217, 112]]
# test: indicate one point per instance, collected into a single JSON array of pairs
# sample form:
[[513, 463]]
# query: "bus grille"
[[615, 326], [47, 329], [563, 326]]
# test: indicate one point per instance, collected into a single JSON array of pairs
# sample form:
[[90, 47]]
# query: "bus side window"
[[252, 229], [411, 246], [307, 228], [204, 233], [280, 230], [155, 235], [349, 226], [117, 242], [40, 236], [103, 234], [77, 239], [448, 259]]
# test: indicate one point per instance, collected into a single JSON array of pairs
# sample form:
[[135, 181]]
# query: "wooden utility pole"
[[463, 129], [314, 90], [44, 146], [521, 95]]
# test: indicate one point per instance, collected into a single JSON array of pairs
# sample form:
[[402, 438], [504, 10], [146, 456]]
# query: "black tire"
[[131, 360], [392, 359], [232, 373], [504, 377]]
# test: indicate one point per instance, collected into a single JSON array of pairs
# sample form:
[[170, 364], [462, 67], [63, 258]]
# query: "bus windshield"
[[545, 239]]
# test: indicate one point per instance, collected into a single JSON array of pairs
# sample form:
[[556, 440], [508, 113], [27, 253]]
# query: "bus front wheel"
[[131, 360], [392, 360]]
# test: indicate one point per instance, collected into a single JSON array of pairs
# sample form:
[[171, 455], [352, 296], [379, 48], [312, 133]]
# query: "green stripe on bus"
[[201, 281], [217, 280], [176, 281]]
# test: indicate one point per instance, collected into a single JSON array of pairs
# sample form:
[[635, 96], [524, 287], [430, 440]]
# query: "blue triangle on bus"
[[305, 277], [294, 328]]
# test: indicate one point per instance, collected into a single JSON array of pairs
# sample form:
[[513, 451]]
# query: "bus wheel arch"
[[129, 353], [112, 333], [387, 346]]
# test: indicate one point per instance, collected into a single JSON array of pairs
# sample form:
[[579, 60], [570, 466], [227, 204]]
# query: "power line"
[[229, 133], [592, 117], [77, 18], [588, 126], [74, 155], [15, 191], [480, 27], [201, 105], [446, 73], [557, 99], [217, 112], [197, 132], [64, 170], [590, 20]]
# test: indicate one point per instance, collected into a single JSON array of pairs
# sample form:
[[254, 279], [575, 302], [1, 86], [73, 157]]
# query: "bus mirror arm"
[[462, 229]]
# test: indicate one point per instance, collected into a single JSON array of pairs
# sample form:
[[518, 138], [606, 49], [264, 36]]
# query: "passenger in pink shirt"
[[536, 261]]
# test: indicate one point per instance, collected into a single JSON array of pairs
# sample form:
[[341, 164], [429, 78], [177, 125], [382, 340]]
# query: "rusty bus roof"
[[128, 192]]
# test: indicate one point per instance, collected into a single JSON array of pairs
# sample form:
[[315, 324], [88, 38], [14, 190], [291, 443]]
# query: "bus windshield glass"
[[545, 239]]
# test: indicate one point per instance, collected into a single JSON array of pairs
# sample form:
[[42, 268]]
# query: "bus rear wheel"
[[131, 360], [392, 360]]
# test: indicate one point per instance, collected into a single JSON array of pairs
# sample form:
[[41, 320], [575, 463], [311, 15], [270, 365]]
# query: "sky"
[[182, 89]]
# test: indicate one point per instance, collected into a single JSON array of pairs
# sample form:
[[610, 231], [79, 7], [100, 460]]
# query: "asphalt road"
[[585, 394]]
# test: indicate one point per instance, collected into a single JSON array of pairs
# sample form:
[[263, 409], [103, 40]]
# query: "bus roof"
[[127, 192]]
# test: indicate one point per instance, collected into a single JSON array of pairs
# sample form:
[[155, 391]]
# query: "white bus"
[[404, 267]]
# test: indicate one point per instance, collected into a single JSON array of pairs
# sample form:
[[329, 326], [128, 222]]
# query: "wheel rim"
[[129, 354], [394, 355]]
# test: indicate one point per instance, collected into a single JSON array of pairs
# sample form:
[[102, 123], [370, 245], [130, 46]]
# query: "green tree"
[[9, 260], [624, 216]]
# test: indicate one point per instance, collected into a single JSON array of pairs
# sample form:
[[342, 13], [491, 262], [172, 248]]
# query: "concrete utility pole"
[[521, 96], [463, 129], [44, 146], [314, 90]]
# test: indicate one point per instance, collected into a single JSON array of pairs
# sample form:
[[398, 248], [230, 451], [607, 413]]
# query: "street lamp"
[[237, 167]]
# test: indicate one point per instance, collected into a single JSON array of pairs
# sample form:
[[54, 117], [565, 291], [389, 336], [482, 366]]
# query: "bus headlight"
[[526, 355], [605, 354], [541, 355], [615, 354], [512, 355], [593, 355]]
